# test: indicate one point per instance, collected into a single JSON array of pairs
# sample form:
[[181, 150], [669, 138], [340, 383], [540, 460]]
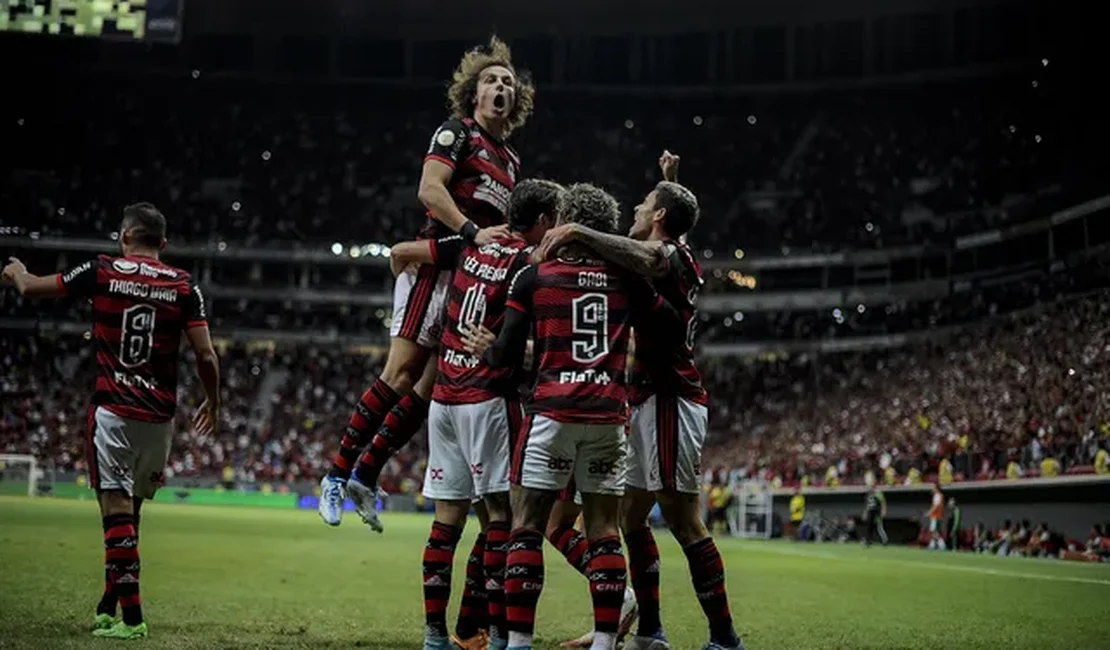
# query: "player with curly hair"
[[468, 176]]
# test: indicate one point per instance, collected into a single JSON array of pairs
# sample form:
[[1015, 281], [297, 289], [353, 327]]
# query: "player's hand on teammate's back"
[[476, 339], [487, 235], [552, 240], [13, 267], [207, 418], [668, 164]]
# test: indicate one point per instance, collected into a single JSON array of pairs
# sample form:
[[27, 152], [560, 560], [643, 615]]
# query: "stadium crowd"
[[283, 164], [280, 164], [997, 401]]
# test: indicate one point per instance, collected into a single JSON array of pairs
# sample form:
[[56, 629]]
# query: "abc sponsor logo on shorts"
[[560, 464], [602, 467]]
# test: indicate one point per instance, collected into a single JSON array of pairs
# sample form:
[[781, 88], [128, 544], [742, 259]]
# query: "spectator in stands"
[[1102, 459], [1050, 467]]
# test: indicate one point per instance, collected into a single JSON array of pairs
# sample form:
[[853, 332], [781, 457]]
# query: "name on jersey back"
[[138, 289], [484, 271]]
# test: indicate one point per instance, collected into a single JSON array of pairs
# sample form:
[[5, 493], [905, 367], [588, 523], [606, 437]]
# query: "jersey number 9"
[[590, 325]]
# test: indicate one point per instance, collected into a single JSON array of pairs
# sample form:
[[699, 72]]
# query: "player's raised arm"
[[207, 418], [668, 164], [644, 258], [79, 280], [508, 350]]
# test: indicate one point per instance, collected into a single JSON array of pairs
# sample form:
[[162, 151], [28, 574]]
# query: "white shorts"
[[127, 455], [468, 450], [934, 525], [668, 434], [418, 304], [549, 453]]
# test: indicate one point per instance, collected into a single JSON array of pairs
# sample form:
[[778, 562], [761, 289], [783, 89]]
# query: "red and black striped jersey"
[[140, 308], [665, 363], [477, 295], [485, 172], [582, 312]]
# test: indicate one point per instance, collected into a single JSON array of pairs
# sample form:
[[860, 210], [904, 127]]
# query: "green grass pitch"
[[242, 578]]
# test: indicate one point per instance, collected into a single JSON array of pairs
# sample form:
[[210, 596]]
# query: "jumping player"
[[669, 412], [468, 175], [475, 411], [140, 308], [580, 311]]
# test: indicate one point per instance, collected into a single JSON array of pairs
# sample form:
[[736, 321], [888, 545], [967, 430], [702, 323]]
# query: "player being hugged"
[[140, 308], [474, 416], [581, 311], [468, 176], [669, 408]]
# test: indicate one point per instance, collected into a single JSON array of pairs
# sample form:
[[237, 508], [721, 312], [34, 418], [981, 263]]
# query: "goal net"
[[23, 475], [751, 512]]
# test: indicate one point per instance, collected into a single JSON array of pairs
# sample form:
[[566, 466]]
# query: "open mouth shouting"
[[500, 103]]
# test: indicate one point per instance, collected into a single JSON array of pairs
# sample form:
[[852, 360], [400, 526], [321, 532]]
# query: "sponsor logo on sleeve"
[[69, 277], [127, 267]]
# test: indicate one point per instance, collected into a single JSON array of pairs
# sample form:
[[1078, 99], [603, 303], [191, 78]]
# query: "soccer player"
[[468, 175], [475, 411], [140, 307], [669, 413], [936, 519], [580, 311], [874, 511]]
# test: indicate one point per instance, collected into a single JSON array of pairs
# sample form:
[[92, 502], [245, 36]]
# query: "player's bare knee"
[[599, 515], [427, 381], [116, 502], [682, 514], [635, 508], [563, 514], [531, 508], [405, 365], [498, 506], [452, 512]]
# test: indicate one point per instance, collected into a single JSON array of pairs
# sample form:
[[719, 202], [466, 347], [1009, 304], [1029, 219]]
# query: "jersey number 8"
[[590, 325], [137, 339]]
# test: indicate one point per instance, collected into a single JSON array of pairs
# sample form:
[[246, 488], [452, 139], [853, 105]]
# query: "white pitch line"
[[930, 565]]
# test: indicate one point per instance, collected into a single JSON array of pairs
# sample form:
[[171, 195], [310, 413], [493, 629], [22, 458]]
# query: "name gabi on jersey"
[[140, 290], [458, 359], [494, 193], [585, 376], [484, 271], [593, 280]]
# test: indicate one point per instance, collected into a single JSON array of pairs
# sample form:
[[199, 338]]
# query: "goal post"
[[19, 474], [751, 512]]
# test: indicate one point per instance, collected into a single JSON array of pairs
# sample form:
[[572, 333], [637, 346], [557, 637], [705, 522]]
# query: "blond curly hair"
[[463, 91]]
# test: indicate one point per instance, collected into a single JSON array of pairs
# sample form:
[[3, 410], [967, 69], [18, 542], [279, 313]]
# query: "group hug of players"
[[498, 263], [502, 261]]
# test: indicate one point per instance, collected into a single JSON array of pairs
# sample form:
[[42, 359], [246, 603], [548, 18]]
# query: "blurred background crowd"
[[969, 181]]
